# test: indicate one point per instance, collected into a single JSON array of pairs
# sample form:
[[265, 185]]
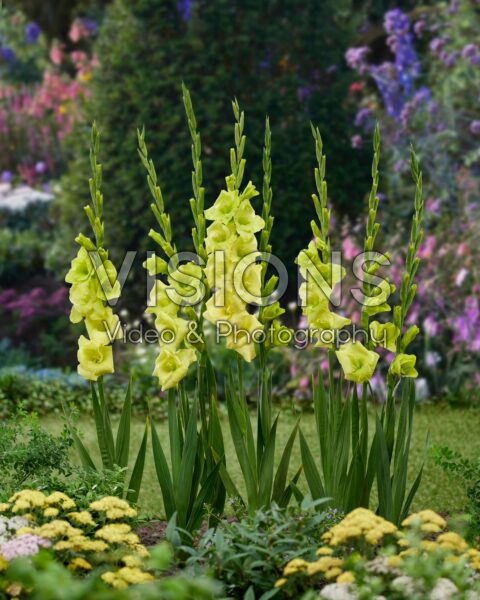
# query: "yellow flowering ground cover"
[[363, 544], [99, 537]]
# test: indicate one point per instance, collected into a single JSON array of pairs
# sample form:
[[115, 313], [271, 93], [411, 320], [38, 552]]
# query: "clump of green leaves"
[[30, 456], [249, 555]]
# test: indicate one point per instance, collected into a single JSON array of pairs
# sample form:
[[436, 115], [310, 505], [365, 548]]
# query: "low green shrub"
[[248, 555], [32, 457]]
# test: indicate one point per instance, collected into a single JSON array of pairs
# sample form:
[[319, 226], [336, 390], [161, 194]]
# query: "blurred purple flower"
[[23, 545], [362, 115], [184, 8], [437, 44], [431, 326], [475, 127], [32, 32], [453, 7], [6, 177], [90, 25], [469, 51], [419, 28], [433, 206], [355, 57], [304, 93], [7, 54], [40, 167], [356, 141]]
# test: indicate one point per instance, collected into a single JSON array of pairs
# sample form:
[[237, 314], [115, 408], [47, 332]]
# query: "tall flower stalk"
[[94, 283]]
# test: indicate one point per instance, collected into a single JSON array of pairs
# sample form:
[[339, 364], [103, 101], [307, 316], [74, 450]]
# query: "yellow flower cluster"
[[360, 523], [232, 269], [361, 527], [126, 576], [76, 537], [427, 520], [315, 292], [27, 500], [114, 508], [176, 353], [94, 282]]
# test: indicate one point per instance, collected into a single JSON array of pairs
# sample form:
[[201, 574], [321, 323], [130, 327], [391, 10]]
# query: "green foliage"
[[50, 396], [47, 578], [469, 472], [114, 451], [249, 555], [191, 482], [264, 483], [29, 455], [274, 56]]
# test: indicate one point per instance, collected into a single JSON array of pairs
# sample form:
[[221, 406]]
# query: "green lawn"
[[458, 428]]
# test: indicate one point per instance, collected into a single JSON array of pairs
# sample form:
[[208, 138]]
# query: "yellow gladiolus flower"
[[246, 221], [155, 265], [220, 236], [224, 208], [403, 365], [384, 334], [160, 302], [171, 367], [357, 362], [106, 330], [94, 359], [172, 330]]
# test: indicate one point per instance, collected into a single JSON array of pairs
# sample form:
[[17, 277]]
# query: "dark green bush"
[[279, 58]]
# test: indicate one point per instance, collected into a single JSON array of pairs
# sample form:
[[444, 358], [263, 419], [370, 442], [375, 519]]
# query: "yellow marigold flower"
[[79, 564], [324, 550], [429, 521], [452, 541], [280, 582], [108, 503], [82, 518], [62, 499], [50, 512], [295, 565], [346, 577], [4, 506]]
